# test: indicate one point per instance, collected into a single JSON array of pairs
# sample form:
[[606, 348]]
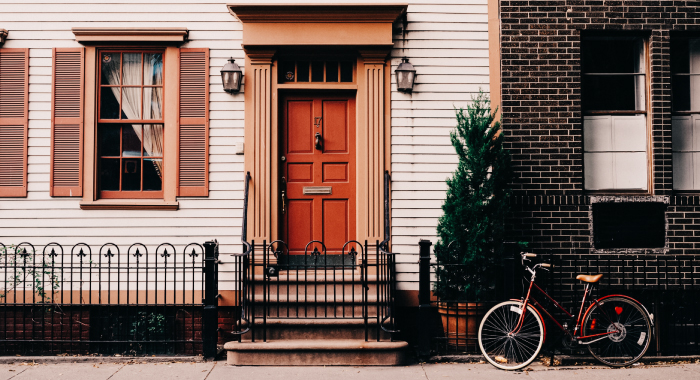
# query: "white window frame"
[[685, 128], [616, 142]]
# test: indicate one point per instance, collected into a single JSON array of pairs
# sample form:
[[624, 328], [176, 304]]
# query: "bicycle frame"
[[578, 328]]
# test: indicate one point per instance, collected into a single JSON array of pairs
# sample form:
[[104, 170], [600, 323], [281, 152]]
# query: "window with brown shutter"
[[14, 93], [146, 142]]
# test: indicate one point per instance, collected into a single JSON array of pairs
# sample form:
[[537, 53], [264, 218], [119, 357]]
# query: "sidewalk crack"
[[422, 366], [17, 374], [212, 368], [115, 372]]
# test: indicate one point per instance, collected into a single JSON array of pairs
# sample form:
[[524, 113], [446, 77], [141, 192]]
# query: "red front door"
[[318, 166]]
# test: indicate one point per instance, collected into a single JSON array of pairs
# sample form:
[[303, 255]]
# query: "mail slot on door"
[[318, 190]]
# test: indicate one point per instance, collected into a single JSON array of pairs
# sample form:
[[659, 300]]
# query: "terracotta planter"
[[460, 323]]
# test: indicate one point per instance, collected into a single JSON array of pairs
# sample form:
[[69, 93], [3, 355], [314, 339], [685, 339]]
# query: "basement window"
[[629, 225]]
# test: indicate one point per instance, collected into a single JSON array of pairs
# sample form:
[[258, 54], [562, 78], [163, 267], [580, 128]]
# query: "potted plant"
[[471, 228]]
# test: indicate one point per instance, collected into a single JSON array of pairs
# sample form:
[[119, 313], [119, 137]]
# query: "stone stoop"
[[315, 318], [314, 352]]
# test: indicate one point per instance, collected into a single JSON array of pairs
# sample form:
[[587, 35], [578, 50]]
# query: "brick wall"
[[541, 105]]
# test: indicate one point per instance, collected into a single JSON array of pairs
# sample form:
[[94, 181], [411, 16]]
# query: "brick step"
[[320, 328], [315, 352]]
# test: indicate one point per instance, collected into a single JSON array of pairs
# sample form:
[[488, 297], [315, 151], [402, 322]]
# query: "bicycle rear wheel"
[[505, 349], [633, 324]]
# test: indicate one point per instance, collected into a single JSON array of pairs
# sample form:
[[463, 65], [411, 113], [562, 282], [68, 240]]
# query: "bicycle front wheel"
[[632, 327], [502, 345]]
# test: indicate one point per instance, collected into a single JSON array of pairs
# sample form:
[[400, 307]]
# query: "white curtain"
[[152, 135]]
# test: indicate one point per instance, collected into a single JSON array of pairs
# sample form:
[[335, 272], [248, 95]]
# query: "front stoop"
[[314, 352]]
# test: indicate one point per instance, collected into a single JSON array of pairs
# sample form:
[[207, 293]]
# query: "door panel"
[[298, 213], [335, 128], [326, 217], [300, 121], [335, 222]]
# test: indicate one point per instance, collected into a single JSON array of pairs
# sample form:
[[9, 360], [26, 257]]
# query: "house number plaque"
[[317, 190]]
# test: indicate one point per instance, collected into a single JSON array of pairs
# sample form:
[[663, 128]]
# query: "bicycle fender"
[[544, 325]]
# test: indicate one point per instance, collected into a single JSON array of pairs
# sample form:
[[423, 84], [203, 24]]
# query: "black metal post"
[[424, 331], [210, 315]]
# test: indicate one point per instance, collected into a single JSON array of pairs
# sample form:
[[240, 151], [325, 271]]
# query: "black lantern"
[[405, 75], [231, 76]]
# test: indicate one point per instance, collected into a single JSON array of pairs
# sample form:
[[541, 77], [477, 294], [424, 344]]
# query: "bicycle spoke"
[[504, 347]]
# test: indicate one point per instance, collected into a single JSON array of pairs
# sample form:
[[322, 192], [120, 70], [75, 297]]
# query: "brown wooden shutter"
[[67, 123], [14, 115], [194, 123]]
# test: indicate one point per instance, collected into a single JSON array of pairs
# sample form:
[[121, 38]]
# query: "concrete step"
[[310, 328], [315, 352]]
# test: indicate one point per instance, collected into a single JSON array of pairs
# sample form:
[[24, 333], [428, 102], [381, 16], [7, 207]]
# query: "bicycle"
[[617, 329]]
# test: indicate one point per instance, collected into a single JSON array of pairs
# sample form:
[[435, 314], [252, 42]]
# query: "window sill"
[[130, 204]]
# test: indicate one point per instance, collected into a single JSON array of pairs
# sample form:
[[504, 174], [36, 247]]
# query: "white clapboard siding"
[[446, 40]]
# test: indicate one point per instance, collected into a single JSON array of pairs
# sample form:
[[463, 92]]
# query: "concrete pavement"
[[432, 371]]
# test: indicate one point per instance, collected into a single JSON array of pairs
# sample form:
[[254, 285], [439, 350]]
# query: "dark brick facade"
[[542, 116]]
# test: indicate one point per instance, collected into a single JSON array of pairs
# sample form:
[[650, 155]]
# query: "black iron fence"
[[668, 285], [355, 280], [111, 299]]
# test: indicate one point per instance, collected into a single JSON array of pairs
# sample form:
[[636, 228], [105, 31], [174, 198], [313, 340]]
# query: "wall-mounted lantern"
[[231, 76], [3, 35], [405, 76]]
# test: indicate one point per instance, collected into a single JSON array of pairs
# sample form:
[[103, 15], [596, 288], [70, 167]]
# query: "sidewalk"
[[437, 371]]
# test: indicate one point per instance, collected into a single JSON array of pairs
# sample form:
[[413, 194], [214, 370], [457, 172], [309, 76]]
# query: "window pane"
[[331, 71], [153, 174], [346, 71], [286, 72], [153, 69], [612, 56], [132, 69], [111, 68], [317, 71], [131, 140], [303, 71], [131, 102], [131, 174], [153, 140], [607, 93], [681, 92], [109, 103], [680, 56], [109, 140], [109, 174], [153, 103]]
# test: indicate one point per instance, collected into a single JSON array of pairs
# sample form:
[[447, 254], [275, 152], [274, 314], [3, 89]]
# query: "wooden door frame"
[[268, 29], [373, 116]]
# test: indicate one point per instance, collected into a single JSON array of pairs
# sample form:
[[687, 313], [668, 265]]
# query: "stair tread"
[[315, 344], [337, 299], [317, 321], [310, 277]]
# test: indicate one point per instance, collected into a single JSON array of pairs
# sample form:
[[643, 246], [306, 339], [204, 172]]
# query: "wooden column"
[[258, 142], [372, 116]]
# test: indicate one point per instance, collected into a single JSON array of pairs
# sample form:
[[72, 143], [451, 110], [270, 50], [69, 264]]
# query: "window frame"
[[91, 193], [645, 112], [690, 115], [128, 194]]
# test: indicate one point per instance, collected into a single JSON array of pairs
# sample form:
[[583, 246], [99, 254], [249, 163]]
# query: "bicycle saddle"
[[589, 277]]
